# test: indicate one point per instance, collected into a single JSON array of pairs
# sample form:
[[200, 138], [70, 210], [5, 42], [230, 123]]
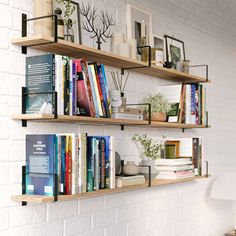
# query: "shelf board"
[[101, 121], [66, 48], [47, 199]]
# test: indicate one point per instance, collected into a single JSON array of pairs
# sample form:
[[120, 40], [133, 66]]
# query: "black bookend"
[[23, 184]]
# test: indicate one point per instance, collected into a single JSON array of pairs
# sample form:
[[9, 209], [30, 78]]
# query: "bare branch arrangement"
[[91, 25], [119, 81]]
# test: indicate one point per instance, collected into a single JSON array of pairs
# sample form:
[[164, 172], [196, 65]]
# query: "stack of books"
[[82, 163], [128, 113], [81, 86], [178, 168]]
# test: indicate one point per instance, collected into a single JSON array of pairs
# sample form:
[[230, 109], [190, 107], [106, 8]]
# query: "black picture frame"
[[174, 53]]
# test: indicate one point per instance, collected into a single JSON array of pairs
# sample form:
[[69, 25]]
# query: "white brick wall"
[[208, 30]]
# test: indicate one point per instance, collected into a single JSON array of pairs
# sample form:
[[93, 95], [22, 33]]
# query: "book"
[[85, 102], [40, 164], [62, 184], [73, 90], [174, 162], [172, 176], [90, 163], [95, 92], [174, 168], [40, 79], [68, 165], [66, 84], [122, 181], [127, 116]]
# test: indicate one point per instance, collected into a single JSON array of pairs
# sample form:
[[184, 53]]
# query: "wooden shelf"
[[66, 48], [46, 199], [101, 121]]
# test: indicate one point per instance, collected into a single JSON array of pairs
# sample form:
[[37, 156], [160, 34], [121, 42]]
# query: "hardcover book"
[[40, 79], [40, 164]]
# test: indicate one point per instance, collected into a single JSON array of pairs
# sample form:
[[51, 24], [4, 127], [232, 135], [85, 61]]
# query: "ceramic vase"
[[130, 168]]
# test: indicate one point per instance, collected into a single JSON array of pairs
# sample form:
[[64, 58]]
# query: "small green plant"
[[152, 148], [68, 10], [159, 103]]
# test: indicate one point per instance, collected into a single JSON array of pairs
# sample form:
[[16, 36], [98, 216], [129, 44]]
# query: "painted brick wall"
[[208, 29]]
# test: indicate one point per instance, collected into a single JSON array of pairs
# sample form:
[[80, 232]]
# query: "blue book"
[[40, 77], [40, 164]]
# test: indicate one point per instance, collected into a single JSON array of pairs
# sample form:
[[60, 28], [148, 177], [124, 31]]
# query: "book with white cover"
[[174, 162], [174, 168], [162, 176], [122, 181]]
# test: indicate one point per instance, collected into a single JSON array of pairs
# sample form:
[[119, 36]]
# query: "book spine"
[[63, 165], [68, 165], [90, 152], [193, 104], [197, 104], [88, 88], [112, 170], [102, 164], [59, 163], [70, 88], [127, 116], [188, 104], [75, 165], [66, 87], [96, 165], [195, 155], [58, 84], [84, 157], [81, 163]]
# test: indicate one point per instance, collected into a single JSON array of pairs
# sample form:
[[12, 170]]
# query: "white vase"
[[43, 8], [130, 168], [145, 170]]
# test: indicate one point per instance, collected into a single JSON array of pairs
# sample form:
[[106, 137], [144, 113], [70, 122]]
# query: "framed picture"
[[175, 51], [158, 47], [72, 29], [139, 24]]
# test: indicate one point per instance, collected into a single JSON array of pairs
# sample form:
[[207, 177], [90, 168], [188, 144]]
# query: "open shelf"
[[62, 47], [46, 199], [101, 121]]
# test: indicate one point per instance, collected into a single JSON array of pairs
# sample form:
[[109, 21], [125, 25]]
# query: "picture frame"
[[139, 24], [175, 51], [72, 34], [158, 47]]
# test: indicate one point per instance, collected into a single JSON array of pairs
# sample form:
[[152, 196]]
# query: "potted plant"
[[159, 106], [152, 149]]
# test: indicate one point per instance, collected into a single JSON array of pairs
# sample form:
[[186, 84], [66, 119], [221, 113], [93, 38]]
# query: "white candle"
[[117, 39], [123, 49]]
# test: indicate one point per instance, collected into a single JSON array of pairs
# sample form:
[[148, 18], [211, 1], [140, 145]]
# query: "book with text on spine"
[[40, 164]]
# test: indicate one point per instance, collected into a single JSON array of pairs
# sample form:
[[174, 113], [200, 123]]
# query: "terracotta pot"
[[158, 116]]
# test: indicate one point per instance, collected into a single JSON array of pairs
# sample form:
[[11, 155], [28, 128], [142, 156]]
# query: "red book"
[[85, 101], [68, 165]]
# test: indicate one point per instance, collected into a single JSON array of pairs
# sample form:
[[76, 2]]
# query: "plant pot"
[[145, 170], [158, 116]]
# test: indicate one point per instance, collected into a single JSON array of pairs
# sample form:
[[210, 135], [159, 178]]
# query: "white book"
[[122, 181], [174, 168], [59, 86], [174, 162], [160, 176], [127, 116], [112, 162]]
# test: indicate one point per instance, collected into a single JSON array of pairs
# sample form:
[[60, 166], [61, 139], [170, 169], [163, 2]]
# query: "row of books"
[[82, 163], [187, 164], [188, 103], [81, 86]]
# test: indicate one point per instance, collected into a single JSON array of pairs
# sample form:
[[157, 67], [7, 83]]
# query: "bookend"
[[140, 104], [139, 67], [206, 163], [23, 105], [149, 174], [24, 21], [55, 185], [206, 73]]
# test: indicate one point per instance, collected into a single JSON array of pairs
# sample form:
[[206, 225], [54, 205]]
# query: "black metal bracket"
[[55, 184], [204, 65], [207, 175], [139, 67], [149, 113], [24, 21], [23, 102], [149, 174]]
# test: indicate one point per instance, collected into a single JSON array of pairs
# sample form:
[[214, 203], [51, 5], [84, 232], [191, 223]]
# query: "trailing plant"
[[159, 103], [152, 148]]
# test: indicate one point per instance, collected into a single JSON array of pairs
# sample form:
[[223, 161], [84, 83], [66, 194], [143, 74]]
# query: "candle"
[[133, 48], [123, 49]]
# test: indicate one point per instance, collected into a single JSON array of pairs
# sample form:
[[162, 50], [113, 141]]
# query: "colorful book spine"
[[63, 166], [96, 165], [72, 87], [66, 86], [68, 165], [102, 164], [90, 164], [84, 158], [193, 104]]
